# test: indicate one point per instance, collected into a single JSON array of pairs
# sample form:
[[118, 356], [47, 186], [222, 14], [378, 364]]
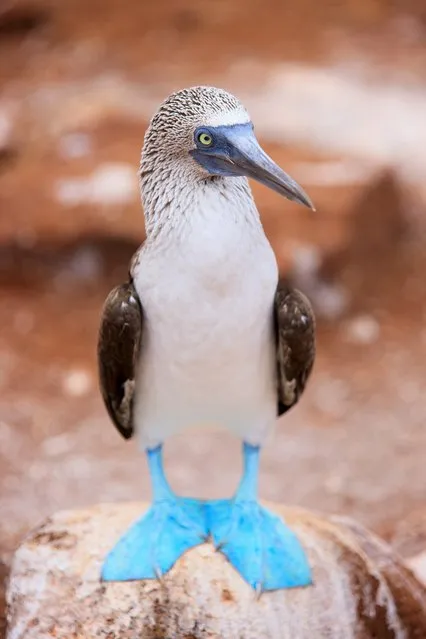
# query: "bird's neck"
[[172, 200]]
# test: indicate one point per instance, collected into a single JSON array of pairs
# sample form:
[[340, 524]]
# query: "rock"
[[344, 256], [408, 537], [370, 256], [3, 573], [361, 588], [418, 566]]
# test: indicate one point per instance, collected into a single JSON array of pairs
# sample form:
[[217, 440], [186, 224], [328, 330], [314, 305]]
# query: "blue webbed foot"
[[260, 546], [154, 543]]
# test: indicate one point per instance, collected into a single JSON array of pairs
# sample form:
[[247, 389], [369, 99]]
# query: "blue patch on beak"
[[234, 151]]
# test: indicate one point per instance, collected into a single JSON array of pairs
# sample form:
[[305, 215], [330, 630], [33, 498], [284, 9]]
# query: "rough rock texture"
[[409, 540], [362, 589]]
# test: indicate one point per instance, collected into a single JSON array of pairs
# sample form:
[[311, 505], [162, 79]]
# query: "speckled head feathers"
[[172, 127], [199, 105]]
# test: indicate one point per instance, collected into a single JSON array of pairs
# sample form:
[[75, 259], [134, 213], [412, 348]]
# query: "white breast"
[[208, 354]]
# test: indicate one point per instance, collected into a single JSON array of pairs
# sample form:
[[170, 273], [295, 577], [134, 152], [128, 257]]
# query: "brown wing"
[[295, 341], [119, 342]]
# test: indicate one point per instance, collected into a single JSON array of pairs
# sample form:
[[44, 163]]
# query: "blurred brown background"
[[337, 91]]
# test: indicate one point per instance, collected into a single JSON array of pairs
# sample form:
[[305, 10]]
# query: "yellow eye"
[[205, 139]]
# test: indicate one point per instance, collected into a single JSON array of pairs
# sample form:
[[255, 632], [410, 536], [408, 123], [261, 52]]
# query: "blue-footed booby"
[[204, 333]]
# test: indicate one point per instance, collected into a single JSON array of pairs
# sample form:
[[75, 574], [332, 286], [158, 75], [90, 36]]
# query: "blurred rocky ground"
[[337, 94]]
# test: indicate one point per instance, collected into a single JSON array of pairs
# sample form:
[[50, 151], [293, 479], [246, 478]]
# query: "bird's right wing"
[[119, 343]]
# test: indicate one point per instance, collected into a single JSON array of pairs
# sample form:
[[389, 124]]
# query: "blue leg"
[[155, 542], [257, 543]]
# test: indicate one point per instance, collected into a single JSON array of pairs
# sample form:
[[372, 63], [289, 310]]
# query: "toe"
[[264, 550], [153, 544]]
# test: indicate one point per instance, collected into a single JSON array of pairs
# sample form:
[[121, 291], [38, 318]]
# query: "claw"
[[259, 545], [154, 543]]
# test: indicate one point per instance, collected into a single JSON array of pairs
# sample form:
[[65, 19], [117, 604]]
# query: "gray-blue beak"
[[236, 151]]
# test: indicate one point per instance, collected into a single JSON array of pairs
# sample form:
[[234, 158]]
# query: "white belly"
[[208, 351]]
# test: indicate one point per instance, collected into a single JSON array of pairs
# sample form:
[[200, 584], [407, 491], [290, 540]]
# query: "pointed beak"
[[247, 157], [236, 151]]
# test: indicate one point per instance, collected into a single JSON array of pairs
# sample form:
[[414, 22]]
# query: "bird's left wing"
[[295, 344], [119, 342]]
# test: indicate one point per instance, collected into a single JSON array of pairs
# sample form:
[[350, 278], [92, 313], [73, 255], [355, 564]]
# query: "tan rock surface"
[[362, 590]]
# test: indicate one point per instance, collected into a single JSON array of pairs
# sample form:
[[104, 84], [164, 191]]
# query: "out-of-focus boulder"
[[361, 588]]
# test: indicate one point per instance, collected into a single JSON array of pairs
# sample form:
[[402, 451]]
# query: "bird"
[[204, 332]]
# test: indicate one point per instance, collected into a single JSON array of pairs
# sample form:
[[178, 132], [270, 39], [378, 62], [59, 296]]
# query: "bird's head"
[[206, 132]]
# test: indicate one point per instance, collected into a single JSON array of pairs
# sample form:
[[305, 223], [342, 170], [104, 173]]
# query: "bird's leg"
[[156, 541], [263, 549]]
